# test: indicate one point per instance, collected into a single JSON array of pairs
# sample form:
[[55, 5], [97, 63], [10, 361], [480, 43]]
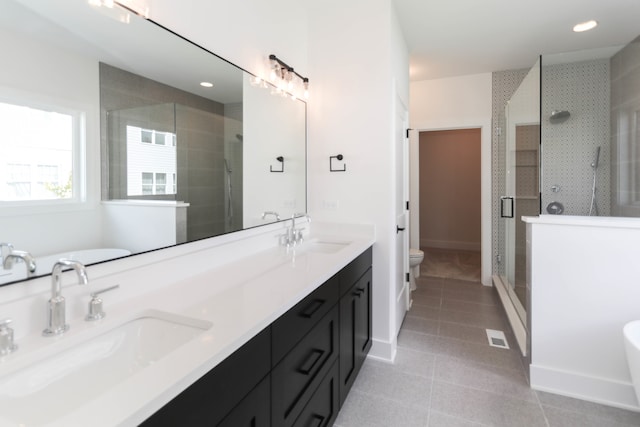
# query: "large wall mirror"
[[113, 143]]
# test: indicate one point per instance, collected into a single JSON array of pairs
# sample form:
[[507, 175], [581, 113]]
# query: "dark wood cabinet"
[[296, 372], [355, 331], [323, 407], [295, 378], [210, 399], [292, 326], [254, 410]]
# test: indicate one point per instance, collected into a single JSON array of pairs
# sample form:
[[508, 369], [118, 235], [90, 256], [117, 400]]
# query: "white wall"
[[70, 81], [268, 133], [584, 288], [358, 59], [242, 32], [454, 103]]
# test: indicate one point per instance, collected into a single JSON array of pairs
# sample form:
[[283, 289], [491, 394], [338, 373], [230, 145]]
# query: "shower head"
[[559, 116], [239, 136]]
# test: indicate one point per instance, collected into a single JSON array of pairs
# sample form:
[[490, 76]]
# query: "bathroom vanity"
[[230, 332], [297, 371]]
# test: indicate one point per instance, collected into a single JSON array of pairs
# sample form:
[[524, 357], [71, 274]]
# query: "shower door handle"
[[506, 207]]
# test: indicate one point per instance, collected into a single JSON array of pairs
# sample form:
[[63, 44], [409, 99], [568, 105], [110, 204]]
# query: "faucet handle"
[[6, 338], [95, 304]]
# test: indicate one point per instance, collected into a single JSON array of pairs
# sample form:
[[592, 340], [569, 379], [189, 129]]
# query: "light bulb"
[[585, 26], [306, 89]]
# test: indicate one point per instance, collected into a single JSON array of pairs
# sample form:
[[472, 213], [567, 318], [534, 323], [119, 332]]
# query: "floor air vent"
[[497, 339]]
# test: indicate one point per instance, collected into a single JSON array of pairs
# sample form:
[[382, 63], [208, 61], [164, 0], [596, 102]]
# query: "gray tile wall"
[[199, 125], [625, 104]]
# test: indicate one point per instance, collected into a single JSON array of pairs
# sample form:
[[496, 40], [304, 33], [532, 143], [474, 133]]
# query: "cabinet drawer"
[[212, 397], [291, 327], [354, 270], [254, 410], [322, 409], [296, 377]]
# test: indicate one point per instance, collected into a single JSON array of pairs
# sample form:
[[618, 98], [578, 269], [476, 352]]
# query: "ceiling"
[[458, 37]]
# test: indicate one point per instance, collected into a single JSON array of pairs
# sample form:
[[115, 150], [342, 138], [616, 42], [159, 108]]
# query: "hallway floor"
[[446, 374]]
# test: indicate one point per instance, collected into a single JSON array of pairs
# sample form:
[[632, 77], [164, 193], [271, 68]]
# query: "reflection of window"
[[154, 183], [146, 136], [18, 181], [147, 183], [161, 183], [151, 162], [37, 152], [47, 174]]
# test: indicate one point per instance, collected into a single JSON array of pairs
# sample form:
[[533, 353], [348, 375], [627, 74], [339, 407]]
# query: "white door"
[[403, 293]]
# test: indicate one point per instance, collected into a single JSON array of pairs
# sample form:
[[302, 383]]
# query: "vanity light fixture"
[[206, 84], [585, 26], [284, 77]]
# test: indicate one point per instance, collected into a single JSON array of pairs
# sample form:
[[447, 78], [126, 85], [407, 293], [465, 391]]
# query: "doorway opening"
[[450, 203]]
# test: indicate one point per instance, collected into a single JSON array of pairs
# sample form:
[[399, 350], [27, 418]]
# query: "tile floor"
[[446, 374]]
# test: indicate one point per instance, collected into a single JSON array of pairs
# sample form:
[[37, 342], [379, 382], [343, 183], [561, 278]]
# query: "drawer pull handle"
[[312, 308], [316, 420], [311, 362]]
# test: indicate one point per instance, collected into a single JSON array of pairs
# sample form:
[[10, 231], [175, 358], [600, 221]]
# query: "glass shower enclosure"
[[521, 198]]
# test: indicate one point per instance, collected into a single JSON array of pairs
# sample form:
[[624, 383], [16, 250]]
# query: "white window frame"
[[78, 162]]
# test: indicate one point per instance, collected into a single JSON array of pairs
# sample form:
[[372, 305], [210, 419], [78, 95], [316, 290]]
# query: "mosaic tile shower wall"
[[569, 147]]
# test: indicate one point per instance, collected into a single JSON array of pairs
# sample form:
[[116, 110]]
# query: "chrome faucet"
[[264, 215], [293, 236], [57, 316], [28, 259]]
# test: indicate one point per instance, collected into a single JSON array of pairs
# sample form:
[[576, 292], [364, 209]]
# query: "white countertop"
[[240, 297]]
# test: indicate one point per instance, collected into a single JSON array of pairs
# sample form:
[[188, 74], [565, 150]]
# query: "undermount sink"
[[324, 246], [58, 383]]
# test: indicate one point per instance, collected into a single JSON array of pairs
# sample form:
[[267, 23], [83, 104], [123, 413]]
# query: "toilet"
[[416, 256]]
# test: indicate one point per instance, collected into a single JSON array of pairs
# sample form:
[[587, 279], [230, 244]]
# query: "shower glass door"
[[522, 173]]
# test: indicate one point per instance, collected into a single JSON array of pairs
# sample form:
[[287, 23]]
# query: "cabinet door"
[[254, 410], [355, 331], [363, 317]]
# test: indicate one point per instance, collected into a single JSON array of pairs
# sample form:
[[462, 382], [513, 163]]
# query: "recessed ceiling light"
[[206, 84], [585, 26]]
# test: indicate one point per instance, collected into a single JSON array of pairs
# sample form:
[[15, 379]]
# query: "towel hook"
[[281, 160], [339, 157]]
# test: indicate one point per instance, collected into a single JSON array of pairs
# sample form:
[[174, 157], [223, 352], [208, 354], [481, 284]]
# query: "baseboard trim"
[[571, 384], [450, 244], [383, 350], [518, 328]]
